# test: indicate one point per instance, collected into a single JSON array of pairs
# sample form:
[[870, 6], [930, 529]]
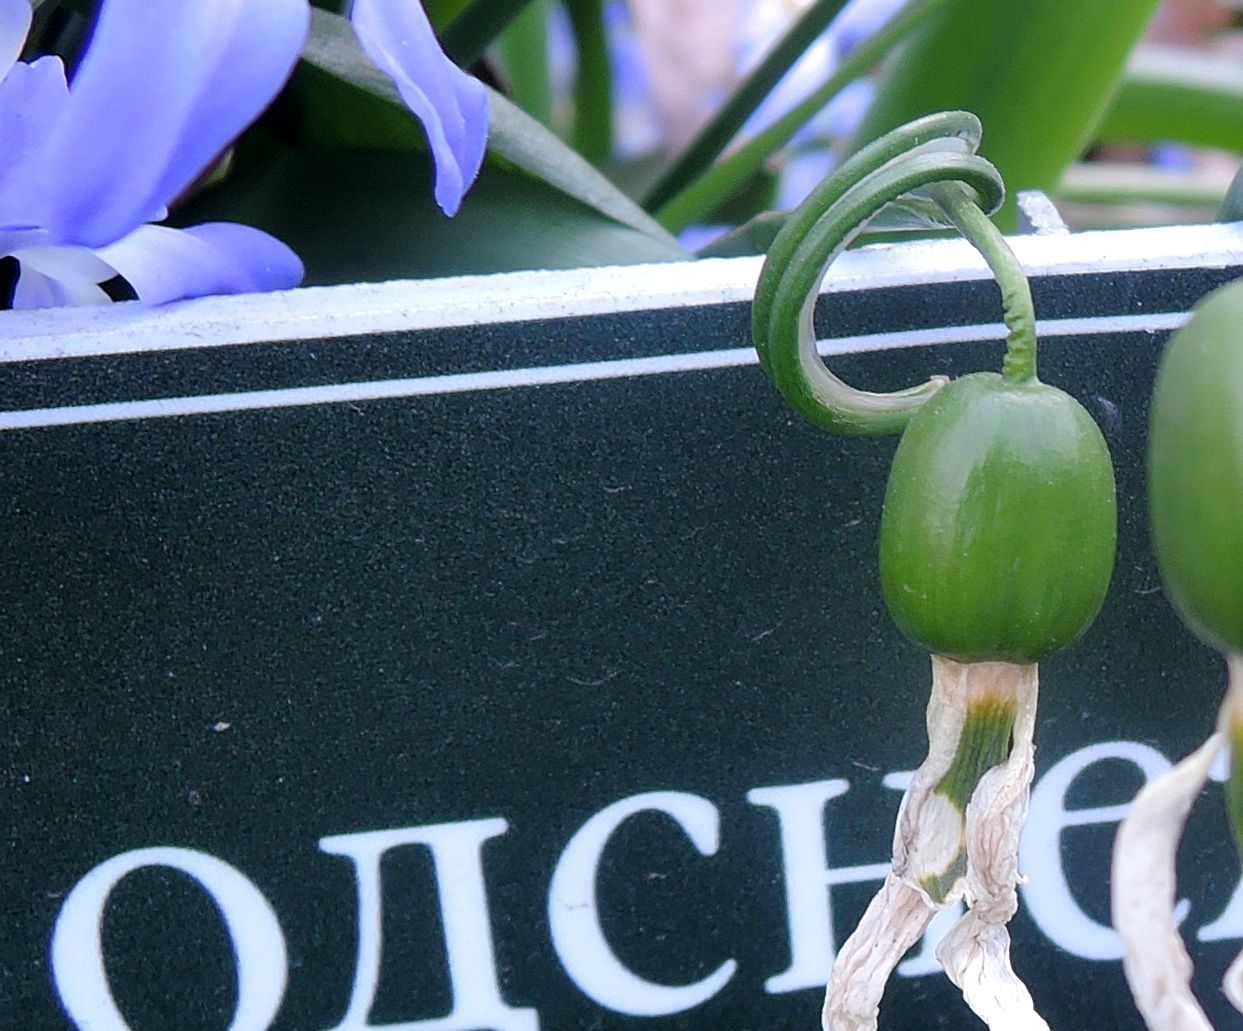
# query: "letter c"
[[575, 919]]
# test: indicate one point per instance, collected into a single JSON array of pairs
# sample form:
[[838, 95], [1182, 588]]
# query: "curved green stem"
[[928, 171], [1018, 312]]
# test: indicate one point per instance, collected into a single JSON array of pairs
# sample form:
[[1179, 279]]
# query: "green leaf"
[[368, 215], [1121, 195], [513, 134], [83, 7], [1040, 75], [727, 176], [472, 31], [753, 237], [1177, 93], [1232, 206], [59, 27], [517, 137], [593, 85], [524, 55], [442, 12], [725, 124]]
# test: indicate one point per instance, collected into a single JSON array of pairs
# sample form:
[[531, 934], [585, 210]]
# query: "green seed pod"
[[1195, 469], [1000, 519]]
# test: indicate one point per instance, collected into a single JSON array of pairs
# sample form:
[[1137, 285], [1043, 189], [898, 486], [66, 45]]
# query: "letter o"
[[1048, 896], [258, 944]]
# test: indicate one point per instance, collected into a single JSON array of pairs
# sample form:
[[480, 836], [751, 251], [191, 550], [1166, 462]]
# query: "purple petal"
[[13, 240], [14, 25], [35, 290], [32, 97], [164, 264], [53, 277], [452, 105], [163, 87]]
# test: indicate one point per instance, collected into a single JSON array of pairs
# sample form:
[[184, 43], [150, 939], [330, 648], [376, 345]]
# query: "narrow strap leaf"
[[593, 85], [523, 49], [725, 124], [723, 179], [472, 31], [1177, 93], [513, 134]]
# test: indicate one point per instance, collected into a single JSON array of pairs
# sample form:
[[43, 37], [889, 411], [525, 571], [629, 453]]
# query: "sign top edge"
[[338, 311]]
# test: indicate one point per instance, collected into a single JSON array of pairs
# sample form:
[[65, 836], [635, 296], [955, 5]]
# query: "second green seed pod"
[[1195, 469]]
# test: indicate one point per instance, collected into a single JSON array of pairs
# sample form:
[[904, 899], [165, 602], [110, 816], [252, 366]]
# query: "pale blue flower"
[[161, 89], [452, 105]]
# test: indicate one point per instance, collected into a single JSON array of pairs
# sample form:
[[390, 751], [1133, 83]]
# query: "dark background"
[[526, 603]]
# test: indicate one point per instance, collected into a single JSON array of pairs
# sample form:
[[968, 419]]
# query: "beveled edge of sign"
[[339, 311]]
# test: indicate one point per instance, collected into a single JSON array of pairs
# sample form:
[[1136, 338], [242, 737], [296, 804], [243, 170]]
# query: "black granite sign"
[[533, 673]]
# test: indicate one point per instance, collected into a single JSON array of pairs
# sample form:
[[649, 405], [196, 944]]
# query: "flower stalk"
[[1018, 312], [996, 547]]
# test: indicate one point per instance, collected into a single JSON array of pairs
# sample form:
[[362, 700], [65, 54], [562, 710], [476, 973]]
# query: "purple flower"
[[162, 88], [452, 105]]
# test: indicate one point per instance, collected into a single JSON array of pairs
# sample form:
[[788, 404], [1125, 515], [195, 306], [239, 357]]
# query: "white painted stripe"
[[1156, 323], [583, 372], [339, 311]]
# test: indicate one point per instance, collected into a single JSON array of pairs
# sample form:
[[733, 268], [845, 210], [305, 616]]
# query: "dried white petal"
[[1157, 966], [1232, 717], [1232, 983], [976, 953], [893, 922], [938, 848]]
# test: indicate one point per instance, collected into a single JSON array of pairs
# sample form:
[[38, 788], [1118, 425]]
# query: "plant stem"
[[524, 53], [723, 179], [899, 169], [1019, 314], [985, 742], [724, 126], [593, 85], [472, 31]]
